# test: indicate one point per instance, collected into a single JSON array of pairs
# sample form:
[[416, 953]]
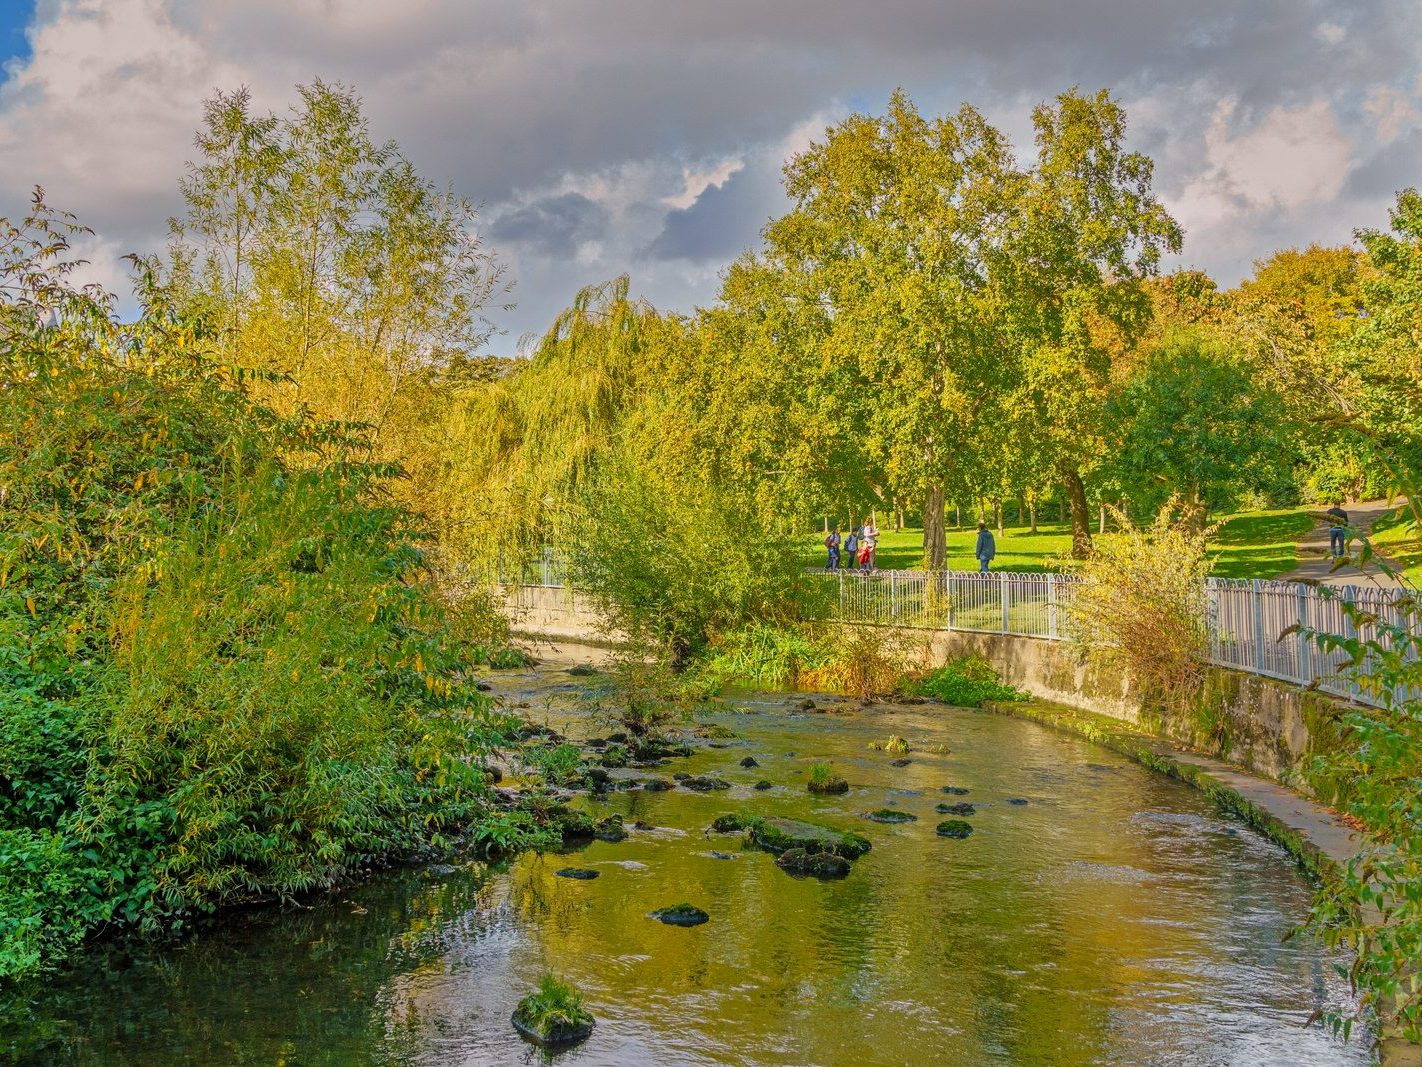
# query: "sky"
[[641, 136]]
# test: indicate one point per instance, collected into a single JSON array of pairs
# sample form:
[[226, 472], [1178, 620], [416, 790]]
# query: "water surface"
[[1116, 918]]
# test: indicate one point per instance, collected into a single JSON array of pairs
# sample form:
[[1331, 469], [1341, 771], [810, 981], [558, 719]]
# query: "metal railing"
[[1255, 626]]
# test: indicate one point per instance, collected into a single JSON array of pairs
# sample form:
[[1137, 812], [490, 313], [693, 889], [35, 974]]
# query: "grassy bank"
[[1258, 544]]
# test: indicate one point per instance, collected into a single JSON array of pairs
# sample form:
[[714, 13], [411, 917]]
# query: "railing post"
[[949, 597], [1002, 584], [893, 595], [1305, 644], [1256, 602], [1052, 606]]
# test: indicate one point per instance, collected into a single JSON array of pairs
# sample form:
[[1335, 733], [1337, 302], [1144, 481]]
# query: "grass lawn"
[[1259, 544], [1401, 541]]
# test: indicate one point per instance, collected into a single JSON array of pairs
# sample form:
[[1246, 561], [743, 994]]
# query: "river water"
[[1115, 918]]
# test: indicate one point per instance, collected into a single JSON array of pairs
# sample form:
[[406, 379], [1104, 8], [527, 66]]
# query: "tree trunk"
[[1194, 513], [957, 516], [1032, 513], [1061, 508], [935, 537], [1080, 514], [1101, 518], [997, 514]]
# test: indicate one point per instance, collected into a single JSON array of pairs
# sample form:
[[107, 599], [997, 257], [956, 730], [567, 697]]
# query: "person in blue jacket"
[[832, 541], [986, 548], [851, 546]]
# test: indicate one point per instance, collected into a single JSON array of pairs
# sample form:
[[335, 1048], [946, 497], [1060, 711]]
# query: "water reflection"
[[1115, 918]]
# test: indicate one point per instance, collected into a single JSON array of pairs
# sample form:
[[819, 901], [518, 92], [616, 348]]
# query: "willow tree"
[[889, 241], [525, 443], [1086, 229]]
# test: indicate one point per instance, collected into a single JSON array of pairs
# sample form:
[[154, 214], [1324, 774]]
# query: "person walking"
[[870, 540], [986, 548], [832, 542], [851, 548], [1337, 529]]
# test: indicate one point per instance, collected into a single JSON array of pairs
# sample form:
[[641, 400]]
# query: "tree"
[[887, 247], [1191, 423], [355, 288], [1086, 229]]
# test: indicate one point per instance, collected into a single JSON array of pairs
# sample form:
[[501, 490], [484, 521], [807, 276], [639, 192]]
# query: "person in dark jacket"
[[986, 548], [851, 547], [832, 542], [1337, 529]]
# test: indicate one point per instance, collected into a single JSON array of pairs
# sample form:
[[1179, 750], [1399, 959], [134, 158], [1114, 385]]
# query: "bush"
[[1139, 606], [967, 683], [774, 657], [225, 674]]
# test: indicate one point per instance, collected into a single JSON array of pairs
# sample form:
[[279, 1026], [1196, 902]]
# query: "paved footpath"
[[1317, 566]]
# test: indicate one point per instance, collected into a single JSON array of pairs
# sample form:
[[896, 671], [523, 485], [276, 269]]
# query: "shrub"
[[863, 660], [774, 657], [967, 683], [1139, 606]]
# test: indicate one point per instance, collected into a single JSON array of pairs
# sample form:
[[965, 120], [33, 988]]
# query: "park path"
[[1315, 564]]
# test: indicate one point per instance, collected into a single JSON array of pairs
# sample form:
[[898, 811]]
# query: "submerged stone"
[[901, 763], [706, 783], [582, 670], [1018, 801], [955, 790], [889, 815], [681, 915], [955, 828], [582, 874], [956, 809], [815, 864]]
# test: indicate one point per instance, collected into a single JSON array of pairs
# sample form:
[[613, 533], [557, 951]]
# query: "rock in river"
[[828, 786], [955, 828], [816, 864], [781, 835], [888, 815], [955, 790], [583, 874], [706, 783], [681, 915], [658, 785], [963, 808], [749, 761], [763, 785], [610, 829]]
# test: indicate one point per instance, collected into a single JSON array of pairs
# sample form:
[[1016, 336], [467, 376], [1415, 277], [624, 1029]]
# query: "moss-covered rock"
[[781, 835], [1018, 802], [610, 829], [680, 915], [658, 785], [956, 809], [554, 1015], [749, 762], [706, 783], [955, 828], [889, 815], [615, 756], [814, 864], [734, 822], [955, 790], [572, 825], [829, 786], [763, 785]]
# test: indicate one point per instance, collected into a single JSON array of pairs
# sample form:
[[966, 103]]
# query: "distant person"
[[832, 542], [870, 540], [986, 548], [851, 547], [1337, 529]]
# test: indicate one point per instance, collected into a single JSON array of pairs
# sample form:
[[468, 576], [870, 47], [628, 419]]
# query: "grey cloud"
[[554, 225]]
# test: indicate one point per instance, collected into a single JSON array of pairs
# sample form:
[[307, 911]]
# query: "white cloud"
[[1393, 113], [694, 182], [1330, 33], [1294, 159]]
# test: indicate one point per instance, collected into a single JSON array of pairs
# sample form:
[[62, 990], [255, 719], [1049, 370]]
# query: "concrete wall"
[[1269, 727]]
